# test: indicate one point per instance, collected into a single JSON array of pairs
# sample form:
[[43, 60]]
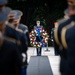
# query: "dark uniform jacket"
[[68, 41], [10, 59], [26, 33], [18, 36], [67, 22], [56, 48], [62, 51]]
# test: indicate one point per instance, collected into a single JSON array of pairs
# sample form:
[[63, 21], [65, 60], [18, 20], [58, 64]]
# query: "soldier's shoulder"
[[23, 25], [19, 30], [70, 25], [63, 24], [62, 20], [10, 26], [66, 31]]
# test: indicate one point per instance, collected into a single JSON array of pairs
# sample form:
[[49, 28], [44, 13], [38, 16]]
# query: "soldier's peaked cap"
[[2, 2], [19, 13]]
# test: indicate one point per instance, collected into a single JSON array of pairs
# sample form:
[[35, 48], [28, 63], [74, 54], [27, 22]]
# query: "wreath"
[[43, 34]]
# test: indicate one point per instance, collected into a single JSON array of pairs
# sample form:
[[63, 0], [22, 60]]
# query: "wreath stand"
[[47, 47]]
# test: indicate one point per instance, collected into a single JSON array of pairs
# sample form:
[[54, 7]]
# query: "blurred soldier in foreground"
[[57, 35], [10, 57], [25, 30], [68, 42], [12, 33]]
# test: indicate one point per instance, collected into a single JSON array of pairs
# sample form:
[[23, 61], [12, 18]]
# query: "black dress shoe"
[[39, 55]]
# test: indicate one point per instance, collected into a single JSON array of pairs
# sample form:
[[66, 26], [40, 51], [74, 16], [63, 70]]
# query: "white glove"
[[24, 57]]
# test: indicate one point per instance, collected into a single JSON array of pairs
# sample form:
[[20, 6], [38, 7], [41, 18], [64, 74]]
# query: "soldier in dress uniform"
[[24, 28], [56, 47], [68, 42], [38, 37], [15, 34], [10, 58], [57, 35]]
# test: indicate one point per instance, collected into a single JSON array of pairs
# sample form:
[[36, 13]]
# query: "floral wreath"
[[44, 35]]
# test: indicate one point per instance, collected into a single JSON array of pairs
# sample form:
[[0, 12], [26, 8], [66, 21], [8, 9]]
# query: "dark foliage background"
[[47, 11]]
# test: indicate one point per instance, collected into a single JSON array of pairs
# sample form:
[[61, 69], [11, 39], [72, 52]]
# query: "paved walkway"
[[54, 60]]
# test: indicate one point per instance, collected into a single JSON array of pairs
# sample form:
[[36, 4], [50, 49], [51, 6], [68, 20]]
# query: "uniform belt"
[[10, 39]]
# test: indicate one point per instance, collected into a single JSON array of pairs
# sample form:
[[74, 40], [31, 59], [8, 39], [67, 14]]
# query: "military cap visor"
[[19, 13], [12, 14], [16, 18], [3, 2]]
